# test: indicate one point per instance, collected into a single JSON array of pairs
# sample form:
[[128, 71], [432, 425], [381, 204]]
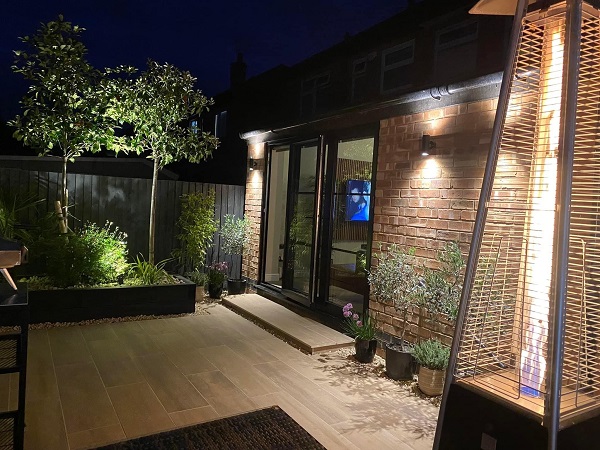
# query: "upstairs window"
[[393, 66], [220, 124], [456, 50], [359, 79], [311, 90]]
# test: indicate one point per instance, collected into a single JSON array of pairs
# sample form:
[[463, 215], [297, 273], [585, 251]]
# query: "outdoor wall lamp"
[[252, 164], [427, 146]]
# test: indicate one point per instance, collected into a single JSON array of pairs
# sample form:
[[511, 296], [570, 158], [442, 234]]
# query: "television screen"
[[358, 200]]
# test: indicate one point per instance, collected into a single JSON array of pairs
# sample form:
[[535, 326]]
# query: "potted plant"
[[432, 357], [363, 332], [394, 281], [440, 289], [235, 236], [217, 273], [201, 280]]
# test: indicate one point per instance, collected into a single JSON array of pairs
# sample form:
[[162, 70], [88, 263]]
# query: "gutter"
[[435, 93]]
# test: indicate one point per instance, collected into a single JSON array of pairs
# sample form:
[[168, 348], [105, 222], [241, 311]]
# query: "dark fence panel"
[[126, 203]]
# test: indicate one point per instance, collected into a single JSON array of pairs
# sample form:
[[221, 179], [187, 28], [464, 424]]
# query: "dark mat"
[[269, 428]]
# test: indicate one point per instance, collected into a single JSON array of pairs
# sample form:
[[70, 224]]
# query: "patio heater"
[[525, 368]]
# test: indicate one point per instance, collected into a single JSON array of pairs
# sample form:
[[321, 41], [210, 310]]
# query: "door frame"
[[323, 231]]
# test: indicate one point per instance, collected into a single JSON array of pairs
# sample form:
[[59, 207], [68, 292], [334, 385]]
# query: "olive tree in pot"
[[394, 281], [432, 357], [235, 236]]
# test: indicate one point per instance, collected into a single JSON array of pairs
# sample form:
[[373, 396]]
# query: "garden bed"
[[77, 304]]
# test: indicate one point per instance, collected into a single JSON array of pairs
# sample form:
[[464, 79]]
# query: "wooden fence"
[[126, 203]]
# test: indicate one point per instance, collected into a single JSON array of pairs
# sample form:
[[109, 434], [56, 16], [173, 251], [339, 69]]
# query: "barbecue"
[[11, 254]]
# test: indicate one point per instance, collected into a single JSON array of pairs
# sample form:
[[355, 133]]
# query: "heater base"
[[469, 418]]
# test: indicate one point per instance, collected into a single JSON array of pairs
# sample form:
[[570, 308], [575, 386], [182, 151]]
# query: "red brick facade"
[[253, 207], [426, 201]]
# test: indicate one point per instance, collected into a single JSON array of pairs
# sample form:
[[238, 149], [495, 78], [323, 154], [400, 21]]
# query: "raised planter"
[[75, 305]]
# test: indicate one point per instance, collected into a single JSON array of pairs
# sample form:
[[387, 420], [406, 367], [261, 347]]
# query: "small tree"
[[235, 235], [198, 225], [394, 281], [158, 104], [441, 288], [65, 108]]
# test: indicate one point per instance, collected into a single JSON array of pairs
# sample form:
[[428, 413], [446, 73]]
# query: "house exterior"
[[335, 145]]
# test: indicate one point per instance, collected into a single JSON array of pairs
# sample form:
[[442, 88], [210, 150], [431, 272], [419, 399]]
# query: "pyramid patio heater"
[[524, 370]]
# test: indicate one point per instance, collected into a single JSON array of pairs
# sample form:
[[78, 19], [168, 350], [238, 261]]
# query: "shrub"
[[195, 276], [432, 354], [91, 256], [142, 272], [197, 225], [235, 235]]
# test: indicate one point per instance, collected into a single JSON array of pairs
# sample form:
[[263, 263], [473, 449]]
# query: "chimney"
[[237, 71]]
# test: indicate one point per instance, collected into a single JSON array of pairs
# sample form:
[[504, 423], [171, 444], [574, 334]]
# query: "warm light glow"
[[540, 226], [431, 169]]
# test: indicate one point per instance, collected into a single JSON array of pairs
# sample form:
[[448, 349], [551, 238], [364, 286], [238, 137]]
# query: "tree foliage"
[[158, 105], [66, 107]]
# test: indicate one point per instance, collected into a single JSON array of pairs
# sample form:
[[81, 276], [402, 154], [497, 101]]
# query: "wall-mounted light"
[[427, 146], [252, 164]]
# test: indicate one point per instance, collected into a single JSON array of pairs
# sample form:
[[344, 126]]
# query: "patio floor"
[[90, 385]]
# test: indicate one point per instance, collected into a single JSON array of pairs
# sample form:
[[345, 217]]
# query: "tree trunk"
[[64, 200], [152, 227]]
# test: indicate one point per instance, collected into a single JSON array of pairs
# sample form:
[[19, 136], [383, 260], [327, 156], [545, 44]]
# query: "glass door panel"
[[300, 242], [277, 203], [351, 209]]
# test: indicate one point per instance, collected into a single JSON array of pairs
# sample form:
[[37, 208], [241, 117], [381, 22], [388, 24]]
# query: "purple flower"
[[355, 316], [348, 307], [359, 323], [347, 313]]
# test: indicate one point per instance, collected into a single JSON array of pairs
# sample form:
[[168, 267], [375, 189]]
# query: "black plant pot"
[[215, 290], [235, 287], [365, 350], [399, 365]]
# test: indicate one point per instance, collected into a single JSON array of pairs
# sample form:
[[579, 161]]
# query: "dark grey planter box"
[[75, 305]]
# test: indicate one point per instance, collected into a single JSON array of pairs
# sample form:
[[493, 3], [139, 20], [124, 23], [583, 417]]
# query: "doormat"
[[269, 428]]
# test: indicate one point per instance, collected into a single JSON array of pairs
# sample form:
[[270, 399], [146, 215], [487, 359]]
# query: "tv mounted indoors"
[[358, 200]]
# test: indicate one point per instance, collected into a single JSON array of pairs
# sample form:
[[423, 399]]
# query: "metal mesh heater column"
[[525, 369]]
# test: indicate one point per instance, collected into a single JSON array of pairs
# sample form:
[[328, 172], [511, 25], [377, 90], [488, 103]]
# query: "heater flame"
[[540, 235]]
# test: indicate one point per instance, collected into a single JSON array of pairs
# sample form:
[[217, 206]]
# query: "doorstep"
[[307, 334]]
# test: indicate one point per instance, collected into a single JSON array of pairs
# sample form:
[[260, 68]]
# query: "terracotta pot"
[[431, 382], [365, 350]]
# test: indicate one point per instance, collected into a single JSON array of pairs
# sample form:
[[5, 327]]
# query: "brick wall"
[[253, 207], [426, 201]]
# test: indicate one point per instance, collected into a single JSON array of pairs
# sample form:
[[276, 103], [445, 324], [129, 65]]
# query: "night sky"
[[200, 36]]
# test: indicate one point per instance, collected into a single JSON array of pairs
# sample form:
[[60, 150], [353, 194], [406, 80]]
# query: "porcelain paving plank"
[[139, 410], [327, 435], [139, 344], [224, 396], [158, 326], [45, 427], [371, 438], [255, 352], [41, 379], [85, 402], [316, 399], [193, 416], [170, 342], [172, 388], [97, 332], [96, 437], [114, 364], [239, 371], [191, 361], [68, 346]]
